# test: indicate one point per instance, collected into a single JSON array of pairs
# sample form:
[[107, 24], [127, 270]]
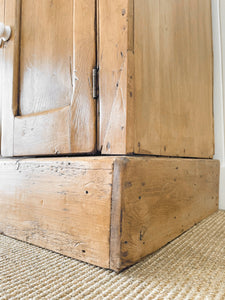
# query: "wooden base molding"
[[107, 211]]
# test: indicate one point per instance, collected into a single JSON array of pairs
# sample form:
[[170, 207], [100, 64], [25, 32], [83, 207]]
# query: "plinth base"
[[107, 211]]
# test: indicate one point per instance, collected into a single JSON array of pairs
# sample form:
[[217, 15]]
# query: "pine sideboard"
[[107, 135]]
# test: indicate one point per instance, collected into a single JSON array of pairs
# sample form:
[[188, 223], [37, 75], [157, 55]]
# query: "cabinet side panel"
[[60, 204], [161, 198], [173, 78], [116, 76]]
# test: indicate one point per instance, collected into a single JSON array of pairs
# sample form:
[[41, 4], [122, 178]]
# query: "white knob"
[[5, 33]]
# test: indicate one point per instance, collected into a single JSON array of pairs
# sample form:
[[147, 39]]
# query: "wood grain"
[[83, 107], [155, 66], [46, 55], [159, 198], [116, 97], [173, 78], [10, 77], [52, 137], [108, 211], [60, 204], [156, 69], [56, 59]]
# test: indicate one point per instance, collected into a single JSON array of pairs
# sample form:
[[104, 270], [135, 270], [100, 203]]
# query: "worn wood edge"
[[159, 153], [116, 215], [11, 68], [130, 116]]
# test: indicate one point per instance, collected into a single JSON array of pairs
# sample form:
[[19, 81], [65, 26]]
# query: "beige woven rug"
[[191, 267]]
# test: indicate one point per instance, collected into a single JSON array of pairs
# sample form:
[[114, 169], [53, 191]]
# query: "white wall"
[[218, 15], [1, 66]]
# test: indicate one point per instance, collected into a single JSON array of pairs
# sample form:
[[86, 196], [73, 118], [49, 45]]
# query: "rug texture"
[[190, 267]]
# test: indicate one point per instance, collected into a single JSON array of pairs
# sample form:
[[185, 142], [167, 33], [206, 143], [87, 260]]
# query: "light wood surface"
[[156, 70], [173, 78], [115, 56], [60, 204], [155, 78], [155, 200], [44, 133], [56, 58], [10, 77], [46, 55], [108, 211]]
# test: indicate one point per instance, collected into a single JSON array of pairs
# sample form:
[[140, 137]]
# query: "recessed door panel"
[[46, 55]]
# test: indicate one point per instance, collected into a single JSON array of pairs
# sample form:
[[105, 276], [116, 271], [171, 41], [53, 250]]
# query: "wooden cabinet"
[[155, 78], [150, 63]]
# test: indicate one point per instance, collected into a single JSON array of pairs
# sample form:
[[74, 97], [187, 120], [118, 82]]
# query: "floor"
[[190, 267]]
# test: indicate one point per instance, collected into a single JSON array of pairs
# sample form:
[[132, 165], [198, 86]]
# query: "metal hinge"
[[95, 83]]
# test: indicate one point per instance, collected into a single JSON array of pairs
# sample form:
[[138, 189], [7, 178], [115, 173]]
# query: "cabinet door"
[[47, 89]]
